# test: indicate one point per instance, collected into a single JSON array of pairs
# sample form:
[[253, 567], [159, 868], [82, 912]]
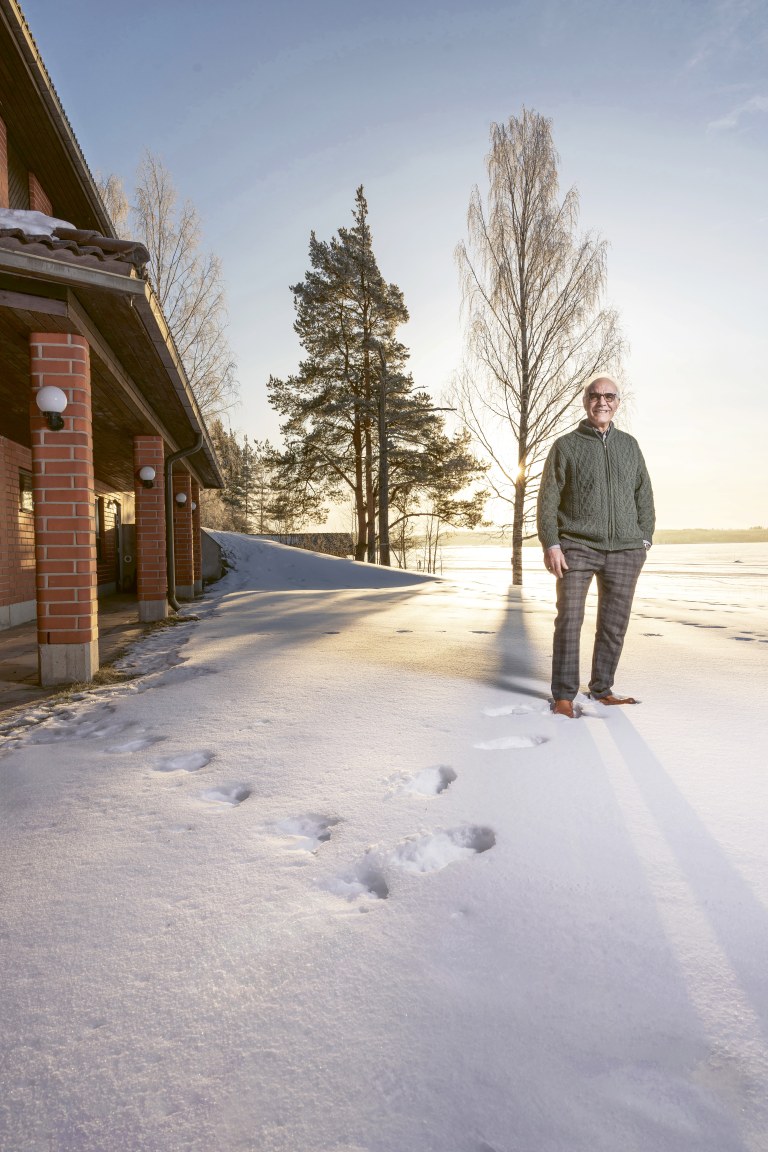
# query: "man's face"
[[601, 402]]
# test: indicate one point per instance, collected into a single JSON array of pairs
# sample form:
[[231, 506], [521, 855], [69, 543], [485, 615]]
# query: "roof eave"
[[148, 309], [19, 29]]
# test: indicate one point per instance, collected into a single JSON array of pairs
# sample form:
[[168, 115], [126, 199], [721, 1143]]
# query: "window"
[[26, 498]]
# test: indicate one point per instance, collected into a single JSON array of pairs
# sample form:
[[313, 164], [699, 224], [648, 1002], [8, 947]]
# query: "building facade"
[[81, 330]]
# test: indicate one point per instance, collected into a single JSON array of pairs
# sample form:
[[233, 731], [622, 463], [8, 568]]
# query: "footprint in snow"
[[433, 851], [501, 743], [95, 724], [184, 762], [429, 852], [428, 782], [365, 880], [306, 833], [226, 795]]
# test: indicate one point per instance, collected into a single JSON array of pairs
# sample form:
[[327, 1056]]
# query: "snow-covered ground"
[[329, 877]]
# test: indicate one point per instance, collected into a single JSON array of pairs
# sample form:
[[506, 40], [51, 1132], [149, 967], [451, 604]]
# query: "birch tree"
[[188, 282], [536, 326]]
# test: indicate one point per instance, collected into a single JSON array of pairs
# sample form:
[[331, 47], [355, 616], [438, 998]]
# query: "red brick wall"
[[64, 493], [151, 573], [197, 548], [3, 165], [38, 201], [182, 531], [17, 529]]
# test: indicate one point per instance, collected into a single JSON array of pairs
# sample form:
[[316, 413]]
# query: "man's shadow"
[[524, 663]]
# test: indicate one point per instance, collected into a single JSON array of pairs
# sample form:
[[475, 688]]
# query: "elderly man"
[[595, 518]]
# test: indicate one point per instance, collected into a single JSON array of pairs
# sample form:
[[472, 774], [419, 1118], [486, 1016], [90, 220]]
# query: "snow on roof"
[[32, 223]]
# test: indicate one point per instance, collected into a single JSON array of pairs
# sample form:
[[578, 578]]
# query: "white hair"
[[601, 376]]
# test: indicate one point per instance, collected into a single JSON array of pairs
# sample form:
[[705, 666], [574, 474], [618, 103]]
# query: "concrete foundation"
[[13, 614], [150, 610], [67, 663]]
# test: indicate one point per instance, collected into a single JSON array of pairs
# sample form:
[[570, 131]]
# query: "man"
[[595, 518]]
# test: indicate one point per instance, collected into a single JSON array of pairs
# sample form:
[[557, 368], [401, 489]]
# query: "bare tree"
[[188, 283], [532, 303], [115, 201]]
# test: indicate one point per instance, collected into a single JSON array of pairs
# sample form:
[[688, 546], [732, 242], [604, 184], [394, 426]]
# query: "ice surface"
[[327, 876]]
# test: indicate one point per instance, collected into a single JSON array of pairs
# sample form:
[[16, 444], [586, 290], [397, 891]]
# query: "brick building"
[[78, 315]]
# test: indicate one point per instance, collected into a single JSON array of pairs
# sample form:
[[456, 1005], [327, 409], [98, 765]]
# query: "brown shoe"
[[564, 708], [609, 699]]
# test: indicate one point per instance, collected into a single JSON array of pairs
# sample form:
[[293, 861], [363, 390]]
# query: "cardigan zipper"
[[610, 495]]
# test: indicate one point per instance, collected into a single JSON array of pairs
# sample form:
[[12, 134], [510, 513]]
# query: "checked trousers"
[[616, 574]]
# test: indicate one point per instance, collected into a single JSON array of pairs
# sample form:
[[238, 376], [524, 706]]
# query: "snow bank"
[[268, 566]]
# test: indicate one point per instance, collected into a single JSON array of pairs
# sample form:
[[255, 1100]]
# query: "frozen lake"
[[732, 577]]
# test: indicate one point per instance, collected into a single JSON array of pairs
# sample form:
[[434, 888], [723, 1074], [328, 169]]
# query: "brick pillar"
[[197, 543], [3, 166], [182, 537], [65, 543], [151, 573]]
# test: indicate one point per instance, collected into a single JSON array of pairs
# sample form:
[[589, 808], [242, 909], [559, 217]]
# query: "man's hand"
[[554, 561]]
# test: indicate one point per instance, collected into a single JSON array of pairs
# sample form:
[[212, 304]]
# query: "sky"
[[270, 115]]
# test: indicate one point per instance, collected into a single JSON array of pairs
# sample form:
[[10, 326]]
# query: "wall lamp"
[[193, 505], [147, 476], [52, 402], [181, 498]]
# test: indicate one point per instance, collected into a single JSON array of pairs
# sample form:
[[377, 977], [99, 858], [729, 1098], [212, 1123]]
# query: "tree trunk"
[[517, 530], [370, 502], [383, 473]]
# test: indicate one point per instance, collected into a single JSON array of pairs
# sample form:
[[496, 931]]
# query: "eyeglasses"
[[610, 397]]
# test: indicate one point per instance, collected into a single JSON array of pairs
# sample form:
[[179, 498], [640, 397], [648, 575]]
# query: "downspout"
[[170, 554]]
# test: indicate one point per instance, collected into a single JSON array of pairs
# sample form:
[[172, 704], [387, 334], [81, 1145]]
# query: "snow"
[[33, 223], [328, 876]]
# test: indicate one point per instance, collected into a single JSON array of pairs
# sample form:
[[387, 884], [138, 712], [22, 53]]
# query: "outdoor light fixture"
[[52, 402], [181, 497], [193, 505], [147, 476]]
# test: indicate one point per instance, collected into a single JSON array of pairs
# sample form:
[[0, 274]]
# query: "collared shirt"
[[603, 435]]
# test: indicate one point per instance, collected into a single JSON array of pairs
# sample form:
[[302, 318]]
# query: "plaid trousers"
[[616, 574]]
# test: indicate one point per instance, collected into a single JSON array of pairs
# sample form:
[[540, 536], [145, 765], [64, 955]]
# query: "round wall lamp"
[[181, 498], [52, 402], [193, 505], [147, 476]]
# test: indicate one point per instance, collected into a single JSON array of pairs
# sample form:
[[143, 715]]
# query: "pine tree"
[[351, 394]]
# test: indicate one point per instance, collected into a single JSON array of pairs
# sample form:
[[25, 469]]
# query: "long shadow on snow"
[[738, 918], [522, 666]]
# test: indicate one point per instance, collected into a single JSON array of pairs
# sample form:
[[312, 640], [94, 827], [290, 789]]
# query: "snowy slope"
[[329, 876]]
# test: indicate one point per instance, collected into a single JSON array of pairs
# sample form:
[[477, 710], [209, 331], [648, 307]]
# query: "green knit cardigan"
[[596, 492]]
